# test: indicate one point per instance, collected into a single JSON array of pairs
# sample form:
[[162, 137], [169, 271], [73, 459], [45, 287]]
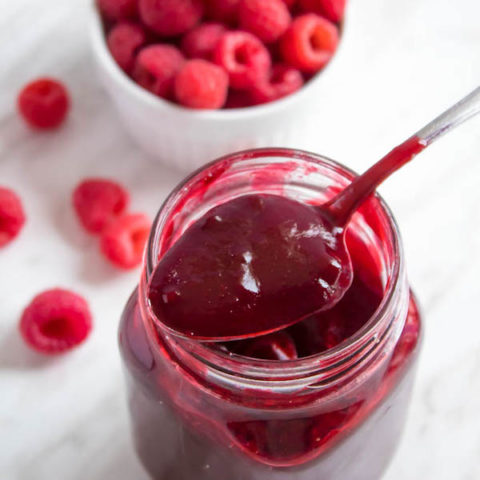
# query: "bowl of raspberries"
[[196, 79]]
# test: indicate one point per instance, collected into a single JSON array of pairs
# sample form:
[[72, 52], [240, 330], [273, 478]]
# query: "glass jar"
[[202, 413]]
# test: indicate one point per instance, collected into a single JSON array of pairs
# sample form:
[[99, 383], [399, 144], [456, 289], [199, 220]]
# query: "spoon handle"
[[451, 118], [346, 202]]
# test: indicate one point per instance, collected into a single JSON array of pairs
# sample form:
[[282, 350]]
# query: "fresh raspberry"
[[171, 17], [309, 43], [202, 40], [290, 3], [156, 67], [124, 41], [98, 201], [202, 85], [267, 19], [244, 57], [12, 216], [331, 9], [225, 11], [118, 9], [44, 103], [123, 240], [283, 81], [56, 321]]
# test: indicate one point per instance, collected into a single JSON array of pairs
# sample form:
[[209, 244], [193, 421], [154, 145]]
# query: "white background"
[[401, 63]]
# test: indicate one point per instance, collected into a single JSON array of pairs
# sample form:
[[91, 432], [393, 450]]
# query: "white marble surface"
[[402, 62]]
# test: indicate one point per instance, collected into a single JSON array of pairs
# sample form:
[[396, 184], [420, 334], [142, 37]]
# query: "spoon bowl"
[[250, 267]]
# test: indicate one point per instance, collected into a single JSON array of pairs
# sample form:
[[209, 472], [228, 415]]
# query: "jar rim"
[[367, 338]]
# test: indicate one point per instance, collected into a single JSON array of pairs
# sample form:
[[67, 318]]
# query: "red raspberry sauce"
[[250, 266]]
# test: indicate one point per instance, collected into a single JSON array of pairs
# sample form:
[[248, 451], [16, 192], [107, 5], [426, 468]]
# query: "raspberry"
[[225, 11], [12, 216], [156, 67], [123, 240], [201, 84], [283, 81], [244, 57], [309, 42], [331, 9], [56, 321], [123, 41], [98, 201], [267, 19], [289, 3], [202, 40], [171, 17], [44, 103], [118, 9]]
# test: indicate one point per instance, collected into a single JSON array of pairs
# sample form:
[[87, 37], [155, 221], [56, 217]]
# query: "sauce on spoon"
[[250, 266]]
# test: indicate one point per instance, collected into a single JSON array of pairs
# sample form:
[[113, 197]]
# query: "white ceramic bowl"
[[187, 138]]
